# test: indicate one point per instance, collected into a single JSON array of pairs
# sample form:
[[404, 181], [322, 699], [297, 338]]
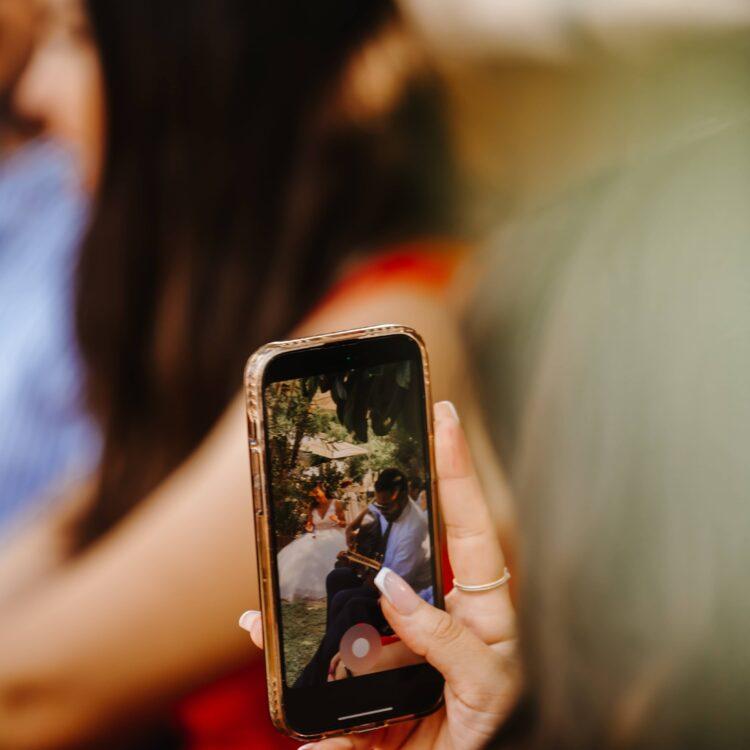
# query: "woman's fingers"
[[251, 621], [473, 546], [391, 738], [470, 667], [352, 742]]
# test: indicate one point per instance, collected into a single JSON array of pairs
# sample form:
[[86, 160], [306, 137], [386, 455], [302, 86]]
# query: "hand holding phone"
[[474, 645]]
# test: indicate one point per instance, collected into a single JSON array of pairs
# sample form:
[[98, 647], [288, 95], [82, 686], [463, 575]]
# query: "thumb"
[[468, 664]]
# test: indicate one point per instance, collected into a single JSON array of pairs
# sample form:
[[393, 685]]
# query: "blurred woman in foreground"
[[237, 168]]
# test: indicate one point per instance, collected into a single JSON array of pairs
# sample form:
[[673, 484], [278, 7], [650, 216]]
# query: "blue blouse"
[[44, 431]]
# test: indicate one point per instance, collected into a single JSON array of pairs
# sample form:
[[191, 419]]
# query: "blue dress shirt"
[[408, 549]]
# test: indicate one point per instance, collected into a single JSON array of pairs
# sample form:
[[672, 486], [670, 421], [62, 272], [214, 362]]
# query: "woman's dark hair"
[[229, 195]]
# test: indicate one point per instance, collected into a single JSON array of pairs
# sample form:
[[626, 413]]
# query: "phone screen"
[[350, 492]]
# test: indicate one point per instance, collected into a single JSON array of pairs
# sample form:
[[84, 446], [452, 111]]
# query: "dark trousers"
[[349, 603]]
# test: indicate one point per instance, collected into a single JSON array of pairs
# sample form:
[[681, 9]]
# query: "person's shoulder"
[[689, 195], [374, 511], [682, 179], [428, 264], [409, 287]]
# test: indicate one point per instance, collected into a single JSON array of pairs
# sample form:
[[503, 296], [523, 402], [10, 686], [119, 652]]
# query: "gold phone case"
[[253, 380]]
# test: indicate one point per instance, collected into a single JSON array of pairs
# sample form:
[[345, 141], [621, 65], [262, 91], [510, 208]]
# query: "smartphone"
[[343, 483]]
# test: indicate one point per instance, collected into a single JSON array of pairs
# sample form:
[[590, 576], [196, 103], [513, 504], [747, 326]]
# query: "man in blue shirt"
[[402, 538], [407, 552]]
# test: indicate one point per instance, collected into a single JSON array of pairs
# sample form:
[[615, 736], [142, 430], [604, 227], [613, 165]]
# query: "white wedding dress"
[[305, 563]]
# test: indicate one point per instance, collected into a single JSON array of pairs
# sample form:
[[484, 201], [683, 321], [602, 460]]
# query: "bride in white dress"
[[305, 563]]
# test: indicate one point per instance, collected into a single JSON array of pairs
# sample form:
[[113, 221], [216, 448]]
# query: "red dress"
[[232, 713]]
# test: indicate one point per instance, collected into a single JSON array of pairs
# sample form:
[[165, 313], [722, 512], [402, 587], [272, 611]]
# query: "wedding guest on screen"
[[352, 596], [417, 493], [304, 563]]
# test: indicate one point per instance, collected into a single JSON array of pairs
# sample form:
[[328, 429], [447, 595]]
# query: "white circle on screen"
[[360, 647]]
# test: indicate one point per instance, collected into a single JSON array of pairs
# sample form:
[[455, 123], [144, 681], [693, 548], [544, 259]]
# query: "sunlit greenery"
[[377, 408]]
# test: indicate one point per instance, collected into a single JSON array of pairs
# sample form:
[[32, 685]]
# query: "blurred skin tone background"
[[553, 193]]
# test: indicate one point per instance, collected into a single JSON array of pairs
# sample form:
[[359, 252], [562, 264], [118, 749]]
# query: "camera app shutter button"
[[360, 647]]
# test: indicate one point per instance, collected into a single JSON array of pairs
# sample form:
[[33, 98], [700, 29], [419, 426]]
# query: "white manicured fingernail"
[[446, 410], [248, 619], [397, 591], [379, 579], [253, 623]]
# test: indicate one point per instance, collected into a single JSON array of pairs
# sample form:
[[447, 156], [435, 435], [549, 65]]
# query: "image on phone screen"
[[350, 493]]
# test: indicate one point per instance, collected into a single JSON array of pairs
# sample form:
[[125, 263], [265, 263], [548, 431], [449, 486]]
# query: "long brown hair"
[[229, 196]]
